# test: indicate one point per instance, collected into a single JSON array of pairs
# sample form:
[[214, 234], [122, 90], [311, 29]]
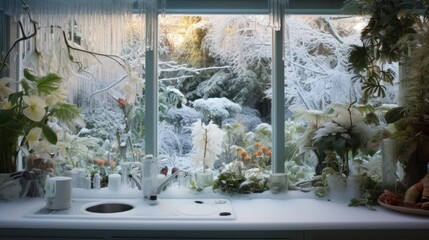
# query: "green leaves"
[[28, 75], [48, 83], [386, 38], [231, 182], [15, 97], [65, 112], [49, 134], [45, 84], [8, 121], [359, 58], [394, 114]]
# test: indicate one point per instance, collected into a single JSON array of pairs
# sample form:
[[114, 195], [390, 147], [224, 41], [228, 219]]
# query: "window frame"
[[310, 7]]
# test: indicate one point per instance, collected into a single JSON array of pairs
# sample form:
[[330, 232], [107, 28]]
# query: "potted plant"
[[396, 32], [25, 115], [208, 141]]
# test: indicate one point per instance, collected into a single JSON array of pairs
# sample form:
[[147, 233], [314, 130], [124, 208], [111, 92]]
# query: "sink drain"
[[225, 214]]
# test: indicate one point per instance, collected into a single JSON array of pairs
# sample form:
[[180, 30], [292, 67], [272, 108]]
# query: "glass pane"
[[324, 102], [214, 73], [98, 50]]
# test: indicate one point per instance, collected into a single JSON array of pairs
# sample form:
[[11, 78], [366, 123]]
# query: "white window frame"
[[309, 7]]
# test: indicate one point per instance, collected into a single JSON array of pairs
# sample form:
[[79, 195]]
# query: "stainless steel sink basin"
[[109, 208], [167, 209]]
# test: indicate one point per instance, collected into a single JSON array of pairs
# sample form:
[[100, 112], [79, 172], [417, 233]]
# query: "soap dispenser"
[[150, 172]]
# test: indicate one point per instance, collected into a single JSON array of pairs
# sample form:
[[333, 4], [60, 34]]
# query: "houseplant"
[[343, 137], [248, 173], [397, 33], [25, 115]]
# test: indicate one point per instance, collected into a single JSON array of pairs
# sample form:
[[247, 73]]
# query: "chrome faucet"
[[166, 181]]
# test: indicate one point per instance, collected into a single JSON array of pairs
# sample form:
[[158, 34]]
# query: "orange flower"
[[112, 164], [269, 153], [247, 158], [264, 148], [100, 162], [257, 144], [243, 154], [122, 102], [259, 153]]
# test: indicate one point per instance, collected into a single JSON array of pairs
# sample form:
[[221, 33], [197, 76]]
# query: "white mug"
[[58, 193]]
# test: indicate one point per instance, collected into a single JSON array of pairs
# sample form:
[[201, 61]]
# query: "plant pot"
[[278, 182], [389, 154], [337, 187], [8, 152], [10, 188], [416, 167], [204, 179], [354, 186]]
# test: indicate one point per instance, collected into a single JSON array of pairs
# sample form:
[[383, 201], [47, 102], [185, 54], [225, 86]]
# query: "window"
[[145, 72], [214, 69]]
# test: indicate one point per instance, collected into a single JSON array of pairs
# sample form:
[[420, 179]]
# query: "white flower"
[[130, 91], [36, 108], [42, 146], [5, 91], [329, 128], [33, 136], [5, 104], [62, 149], [207, 141]]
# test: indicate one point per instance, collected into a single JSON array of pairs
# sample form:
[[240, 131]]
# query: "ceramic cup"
[[278, 182], [58, 193], [114, 183]]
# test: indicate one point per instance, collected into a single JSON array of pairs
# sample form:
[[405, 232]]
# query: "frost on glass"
[[98, 48]]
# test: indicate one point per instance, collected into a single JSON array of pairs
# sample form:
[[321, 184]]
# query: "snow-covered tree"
[[216, 109]]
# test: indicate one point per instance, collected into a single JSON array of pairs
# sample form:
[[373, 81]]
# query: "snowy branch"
[[301, 66], [332, 31]]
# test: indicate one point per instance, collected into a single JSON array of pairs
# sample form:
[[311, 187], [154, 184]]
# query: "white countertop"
[[288, 211]]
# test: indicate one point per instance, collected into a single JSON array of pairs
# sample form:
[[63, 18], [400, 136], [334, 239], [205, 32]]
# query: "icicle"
[[277, 9], [151, 16], [95, 25]]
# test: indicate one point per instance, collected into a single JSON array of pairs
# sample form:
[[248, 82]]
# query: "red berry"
[[164, 170]]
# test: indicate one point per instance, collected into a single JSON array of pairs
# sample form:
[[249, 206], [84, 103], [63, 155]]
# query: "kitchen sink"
[[109, 208], [193, 209]]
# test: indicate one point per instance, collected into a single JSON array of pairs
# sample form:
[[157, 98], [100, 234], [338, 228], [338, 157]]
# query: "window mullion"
[[278, 98], [151, 85]]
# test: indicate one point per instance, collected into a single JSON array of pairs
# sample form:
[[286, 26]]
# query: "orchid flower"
[[36, 108], [33, 136], [5, 91]]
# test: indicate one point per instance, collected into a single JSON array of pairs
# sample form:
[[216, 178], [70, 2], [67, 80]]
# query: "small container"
[[114, 183], [58, 193], [96, 182], [150, 173]]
